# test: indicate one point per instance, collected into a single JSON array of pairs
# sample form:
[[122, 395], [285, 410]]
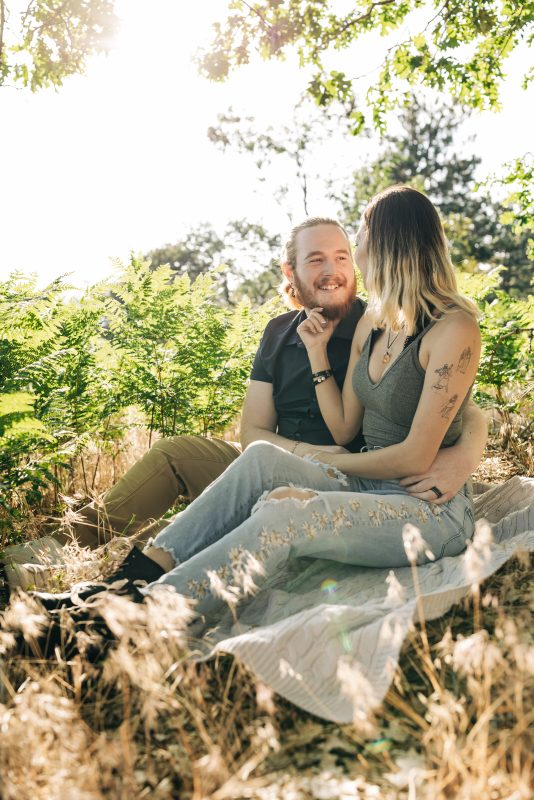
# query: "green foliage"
[[243, 249], [45, 350], [52, 39], [182, 358], [264, 287], [460, 47], [519, 180], [507, 327], [70, 368], [505, 377], [425, 154], [457, 49], [29, 320], [23, 474], [50, 347]]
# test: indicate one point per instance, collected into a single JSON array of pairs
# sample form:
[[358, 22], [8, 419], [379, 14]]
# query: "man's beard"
[[336, 310]]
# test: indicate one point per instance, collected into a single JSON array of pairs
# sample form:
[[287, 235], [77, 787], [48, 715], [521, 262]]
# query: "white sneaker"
[[28, 576], [30, 565], [45, 550]]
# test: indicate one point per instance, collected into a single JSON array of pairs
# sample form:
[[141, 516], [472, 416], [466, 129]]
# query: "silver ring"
[[436, 491]]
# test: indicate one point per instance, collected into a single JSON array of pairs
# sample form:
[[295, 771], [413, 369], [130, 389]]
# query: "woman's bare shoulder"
[[457, 328], [457, 323]]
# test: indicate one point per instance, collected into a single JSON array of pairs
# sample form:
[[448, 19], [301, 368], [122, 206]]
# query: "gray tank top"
[[390, 403]]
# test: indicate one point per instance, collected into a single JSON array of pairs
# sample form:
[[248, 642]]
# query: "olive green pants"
[[174, 467]]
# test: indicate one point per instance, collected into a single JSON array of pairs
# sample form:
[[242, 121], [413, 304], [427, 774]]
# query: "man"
[[280, 407]]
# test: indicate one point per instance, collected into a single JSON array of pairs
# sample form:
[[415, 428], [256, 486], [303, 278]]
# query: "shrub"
[[70, 368]]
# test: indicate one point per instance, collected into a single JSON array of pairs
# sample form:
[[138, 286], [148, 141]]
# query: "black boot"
[[60, 633], [136, 566]]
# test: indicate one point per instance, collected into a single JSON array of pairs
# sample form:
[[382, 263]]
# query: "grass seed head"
[[396, 594], [359, 690], [476, 655], [414, 544]]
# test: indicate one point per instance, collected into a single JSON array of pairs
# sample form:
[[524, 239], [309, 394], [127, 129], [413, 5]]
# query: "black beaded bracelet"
[[323, 375]]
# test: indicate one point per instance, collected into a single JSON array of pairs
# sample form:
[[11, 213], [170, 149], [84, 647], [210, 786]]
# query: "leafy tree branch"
[[461, 47], [52, 40]]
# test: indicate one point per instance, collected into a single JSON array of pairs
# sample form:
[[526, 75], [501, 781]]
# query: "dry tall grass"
[[150, 721]]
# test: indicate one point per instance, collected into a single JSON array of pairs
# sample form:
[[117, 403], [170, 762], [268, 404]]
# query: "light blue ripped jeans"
[[351, 520]]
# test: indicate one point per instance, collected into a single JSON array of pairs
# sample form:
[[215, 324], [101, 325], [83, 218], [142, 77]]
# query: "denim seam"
[[452, 538]]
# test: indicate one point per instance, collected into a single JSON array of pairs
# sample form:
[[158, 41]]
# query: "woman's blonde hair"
[[289, 256], [409, 270]]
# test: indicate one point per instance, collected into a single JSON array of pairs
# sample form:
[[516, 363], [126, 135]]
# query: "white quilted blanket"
[[334, 653]]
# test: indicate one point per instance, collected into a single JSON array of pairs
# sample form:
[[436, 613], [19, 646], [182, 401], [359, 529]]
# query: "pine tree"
[[425, 154]]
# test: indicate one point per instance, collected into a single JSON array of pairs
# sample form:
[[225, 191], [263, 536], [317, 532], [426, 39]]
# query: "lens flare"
[[379, 746], [329, 586]]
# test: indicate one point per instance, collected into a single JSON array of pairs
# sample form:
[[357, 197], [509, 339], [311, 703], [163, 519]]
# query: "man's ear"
[[287, 271]]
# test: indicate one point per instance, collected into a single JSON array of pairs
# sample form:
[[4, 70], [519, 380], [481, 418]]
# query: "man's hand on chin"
[[447, 474]]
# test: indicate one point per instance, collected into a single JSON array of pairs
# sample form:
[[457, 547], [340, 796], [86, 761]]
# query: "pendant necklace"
[[386, 358]]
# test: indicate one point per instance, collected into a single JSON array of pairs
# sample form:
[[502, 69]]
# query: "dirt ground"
[[497, 466]]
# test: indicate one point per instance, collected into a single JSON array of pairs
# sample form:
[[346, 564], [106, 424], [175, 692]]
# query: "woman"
[[413, 362]]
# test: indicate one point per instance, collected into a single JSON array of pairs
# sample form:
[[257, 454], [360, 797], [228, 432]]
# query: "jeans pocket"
[[457, 543], [453, 546]]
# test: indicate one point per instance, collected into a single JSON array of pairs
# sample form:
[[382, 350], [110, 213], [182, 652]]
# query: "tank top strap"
[[410, 340], [418, 335], [415, 337]]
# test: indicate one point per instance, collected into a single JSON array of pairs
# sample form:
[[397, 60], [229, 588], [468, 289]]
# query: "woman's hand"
[[316, 330], [448, 474]]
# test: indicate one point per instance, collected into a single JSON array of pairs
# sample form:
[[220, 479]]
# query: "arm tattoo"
[[447, 406], [444, 375], [465, 358]]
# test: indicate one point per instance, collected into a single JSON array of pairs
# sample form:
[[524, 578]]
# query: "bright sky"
[[118, 159]]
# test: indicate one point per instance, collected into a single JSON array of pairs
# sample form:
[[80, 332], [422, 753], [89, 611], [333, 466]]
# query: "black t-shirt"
[[282, 360]]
